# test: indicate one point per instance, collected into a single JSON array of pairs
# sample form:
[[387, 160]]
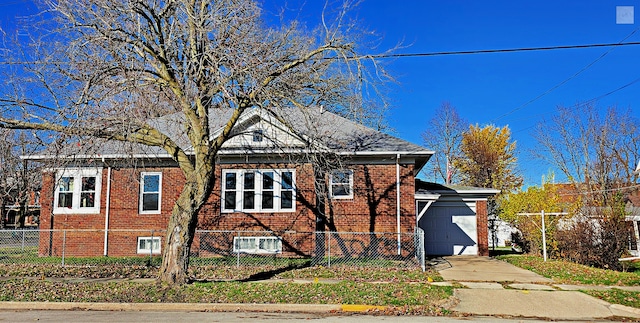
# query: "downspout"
[[398, 201], [106, 211]]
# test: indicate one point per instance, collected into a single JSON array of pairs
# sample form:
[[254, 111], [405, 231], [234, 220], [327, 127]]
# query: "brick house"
[[298, 172]]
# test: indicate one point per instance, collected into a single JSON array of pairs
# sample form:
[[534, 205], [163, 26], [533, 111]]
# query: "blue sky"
[[494, 88], [489, 88]]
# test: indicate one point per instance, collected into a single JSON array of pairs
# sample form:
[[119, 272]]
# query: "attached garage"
[[454, 219]]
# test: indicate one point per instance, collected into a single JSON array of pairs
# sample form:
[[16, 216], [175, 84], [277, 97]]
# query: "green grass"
[[8, 253], [360, 273], [617, 296], [397, 294], [404, 291], [218, 269], [501, 251], [29, 258], [566, 272]]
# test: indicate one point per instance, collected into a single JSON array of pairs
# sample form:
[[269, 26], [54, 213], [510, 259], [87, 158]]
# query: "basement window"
[[257, 245], [149, 245]]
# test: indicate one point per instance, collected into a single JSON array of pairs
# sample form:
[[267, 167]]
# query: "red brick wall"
[[483, 228], [373, 208], [125, 222]]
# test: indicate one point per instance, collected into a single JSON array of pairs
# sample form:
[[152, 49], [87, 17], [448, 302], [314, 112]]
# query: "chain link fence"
[[210, 248]]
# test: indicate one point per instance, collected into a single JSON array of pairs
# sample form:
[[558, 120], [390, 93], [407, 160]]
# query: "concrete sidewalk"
[[485, 269], [497, 288]]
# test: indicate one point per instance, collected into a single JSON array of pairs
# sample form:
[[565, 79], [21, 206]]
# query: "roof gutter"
[[424, 153]]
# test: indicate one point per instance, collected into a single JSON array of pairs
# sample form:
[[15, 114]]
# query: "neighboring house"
[[272, 175], [501, 233], [569, 194], [11, 208], [633, 216]]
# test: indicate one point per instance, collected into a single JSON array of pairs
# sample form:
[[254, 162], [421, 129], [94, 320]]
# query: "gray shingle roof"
[[324, 128]]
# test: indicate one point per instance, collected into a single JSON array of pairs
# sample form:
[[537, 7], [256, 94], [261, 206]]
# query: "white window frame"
[[332, 184], [155, 245], [142, 193], [278, 190], [256, 245], [77, 174]]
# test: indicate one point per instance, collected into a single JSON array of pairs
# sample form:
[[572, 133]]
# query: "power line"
[[464, 52], [600, 191], [567, 80], [503, 50]]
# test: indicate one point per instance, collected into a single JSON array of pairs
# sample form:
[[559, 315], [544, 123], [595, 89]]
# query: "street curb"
[[187, 307], [361, 308]]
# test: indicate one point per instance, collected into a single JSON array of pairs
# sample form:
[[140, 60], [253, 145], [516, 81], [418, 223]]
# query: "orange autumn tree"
[[488, 159]]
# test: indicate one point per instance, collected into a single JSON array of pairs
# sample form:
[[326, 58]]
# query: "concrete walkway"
[[485, 269], [495, 287]]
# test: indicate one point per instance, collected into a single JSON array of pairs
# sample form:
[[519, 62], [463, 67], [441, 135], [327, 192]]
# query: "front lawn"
[[404, 291], [566, 272]]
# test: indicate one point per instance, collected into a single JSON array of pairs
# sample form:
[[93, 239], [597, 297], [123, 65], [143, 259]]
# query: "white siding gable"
[[258, 133]]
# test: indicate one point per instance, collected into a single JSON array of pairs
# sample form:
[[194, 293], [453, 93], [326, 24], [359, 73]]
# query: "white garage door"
[[450, 229]]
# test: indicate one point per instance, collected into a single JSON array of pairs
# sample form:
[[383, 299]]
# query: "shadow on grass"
[[272, 273], [503, 252]]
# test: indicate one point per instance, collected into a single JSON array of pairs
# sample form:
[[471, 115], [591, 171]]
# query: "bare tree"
[[19, 179], [115, 65], [597, 152], [444, 135]]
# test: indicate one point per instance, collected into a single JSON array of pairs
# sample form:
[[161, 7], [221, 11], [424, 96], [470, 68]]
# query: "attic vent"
[[257, 135]]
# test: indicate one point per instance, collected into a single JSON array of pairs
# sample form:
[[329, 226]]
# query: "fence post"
[[329, 252], [64, 244], [544, 237], [22, 240], [238, 251], [151, 249]]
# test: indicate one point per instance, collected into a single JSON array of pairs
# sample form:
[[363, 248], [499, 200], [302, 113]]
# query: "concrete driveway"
[[485, 269], [494, 287]]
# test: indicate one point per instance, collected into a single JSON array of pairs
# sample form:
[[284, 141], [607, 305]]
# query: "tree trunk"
[[184, 220], [3, 214], [180, 233], [22, 213]]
